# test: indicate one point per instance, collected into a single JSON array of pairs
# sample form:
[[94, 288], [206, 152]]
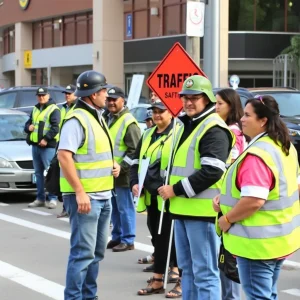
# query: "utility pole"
[[193, 45]]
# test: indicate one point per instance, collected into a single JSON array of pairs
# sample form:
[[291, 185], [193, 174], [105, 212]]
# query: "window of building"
[[64, 31], [172, 20], [267, 15], [293, 16], [69, 31], [9, 40], [90, 28], [47, 29], [169, 20], [81, 29]]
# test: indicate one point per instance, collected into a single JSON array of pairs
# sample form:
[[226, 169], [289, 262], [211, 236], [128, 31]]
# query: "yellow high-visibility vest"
[[155, 151], [93, 161], [42, 116], [274, 230], [118, 131], [186, 162]]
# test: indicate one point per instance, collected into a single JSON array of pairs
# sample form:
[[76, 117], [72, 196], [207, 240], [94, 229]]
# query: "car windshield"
[[289, 103], [12, 127], [140, 113]]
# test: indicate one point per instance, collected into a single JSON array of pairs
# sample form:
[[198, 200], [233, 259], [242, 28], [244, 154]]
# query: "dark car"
[[23, 97], [288, 100]]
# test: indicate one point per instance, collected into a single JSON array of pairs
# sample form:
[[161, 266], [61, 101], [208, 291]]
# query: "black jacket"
[[216, 143], [54, 130]]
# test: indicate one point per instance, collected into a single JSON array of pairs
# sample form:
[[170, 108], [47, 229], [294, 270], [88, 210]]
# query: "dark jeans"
[[160, 241]]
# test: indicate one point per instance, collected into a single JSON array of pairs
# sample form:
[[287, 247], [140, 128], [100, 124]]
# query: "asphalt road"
[[35, 246]]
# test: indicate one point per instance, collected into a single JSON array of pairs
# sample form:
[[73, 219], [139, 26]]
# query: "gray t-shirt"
[[71, 138]]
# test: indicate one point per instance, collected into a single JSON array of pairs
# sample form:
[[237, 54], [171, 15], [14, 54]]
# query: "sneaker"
[[37, 203], [52, 204]]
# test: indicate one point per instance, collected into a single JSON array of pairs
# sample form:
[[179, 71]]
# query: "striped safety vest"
[[118, 131], [64, 112], [154, 152], [274, 230], [42, 116], [186, 162], [93, 161]]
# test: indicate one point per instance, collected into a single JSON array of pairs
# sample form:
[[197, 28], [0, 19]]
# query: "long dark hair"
[[232, 98], [267, 107]]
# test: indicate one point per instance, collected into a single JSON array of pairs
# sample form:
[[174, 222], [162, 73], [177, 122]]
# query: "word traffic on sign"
[[167, 79]]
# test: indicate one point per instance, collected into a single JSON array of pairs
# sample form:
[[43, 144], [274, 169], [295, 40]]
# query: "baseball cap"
[[115, 93], [42, 91], [157, 104], [70, 89], [148, 115]]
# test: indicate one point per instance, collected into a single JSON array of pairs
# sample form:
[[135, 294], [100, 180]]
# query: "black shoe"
[[123, 247], [149, 269], [112, 244]]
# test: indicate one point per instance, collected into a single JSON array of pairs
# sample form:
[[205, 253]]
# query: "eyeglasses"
[[193, 98]]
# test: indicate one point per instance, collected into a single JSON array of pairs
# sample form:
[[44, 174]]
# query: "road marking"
[[35, 226], [290, 265], [64, 219], [294, 292], [59, 233], [3, 204], [32, 281], [38, 212]]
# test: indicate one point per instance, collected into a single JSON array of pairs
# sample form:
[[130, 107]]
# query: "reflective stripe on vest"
[[42, 116], [187, 161], [93, 161], [154, 152], [64, 112], [275, 228], [118, 131]]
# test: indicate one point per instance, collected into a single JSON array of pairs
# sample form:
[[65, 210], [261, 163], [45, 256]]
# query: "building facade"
[[52, 41]]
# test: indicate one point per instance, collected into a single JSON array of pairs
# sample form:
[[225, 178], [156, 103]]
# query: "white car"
[[16, 166], [140, 113]]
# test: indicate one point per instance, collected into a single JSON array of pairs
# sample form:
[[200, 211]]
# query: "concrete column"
[[23, 38], [108, 33], [224, 42]]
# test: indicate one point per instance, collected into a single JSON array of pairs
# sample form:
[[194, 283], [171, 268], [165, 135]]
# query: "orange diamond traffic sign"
[[167, 79]]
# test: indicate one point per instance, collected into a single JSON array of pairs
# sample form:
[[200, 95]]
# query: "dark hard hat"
[[90, 82]]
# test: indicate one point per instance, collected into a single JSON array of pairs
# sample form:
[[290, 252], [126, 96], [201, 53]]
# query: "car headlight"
[[294, 132], [5, 163]]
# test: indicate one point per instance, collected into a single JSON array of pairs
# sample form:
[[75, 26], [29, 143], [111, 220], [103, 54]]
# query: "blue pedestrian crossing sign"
[[129, 25]]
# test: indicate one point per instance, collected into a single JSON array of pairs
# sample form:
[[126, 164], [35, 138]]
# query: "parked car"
[[288, 100], [140, 113], [23, 97], [16, 166]]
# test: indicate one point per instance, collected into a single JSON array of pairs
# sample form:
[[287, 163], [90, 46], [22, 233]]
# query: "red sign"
[[167, 79]]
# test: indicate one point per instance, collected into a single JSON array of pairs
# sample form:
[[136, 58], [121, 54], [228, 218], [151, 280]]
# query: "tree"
[[294, 49]]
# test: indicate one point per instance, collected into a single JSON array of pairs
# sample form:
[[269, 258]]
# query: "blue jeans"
[[259, 277], [123, 216], [197, 246], [230, 290], [41, 161], [89, 234]]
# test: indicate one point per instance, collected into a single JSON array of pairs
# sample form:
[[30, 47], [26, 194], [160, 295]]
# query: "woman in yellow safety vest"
[[155, 145], [260, 201]]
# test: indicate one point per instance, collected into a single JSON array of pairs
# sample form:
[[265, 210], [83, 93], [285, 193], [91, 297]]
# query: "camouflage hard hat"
[[196, 85]]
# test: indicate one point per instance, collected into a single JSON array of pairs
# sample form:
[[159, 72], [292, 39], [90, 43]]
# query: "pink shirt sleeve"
[[238, 148], [254, 178]]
